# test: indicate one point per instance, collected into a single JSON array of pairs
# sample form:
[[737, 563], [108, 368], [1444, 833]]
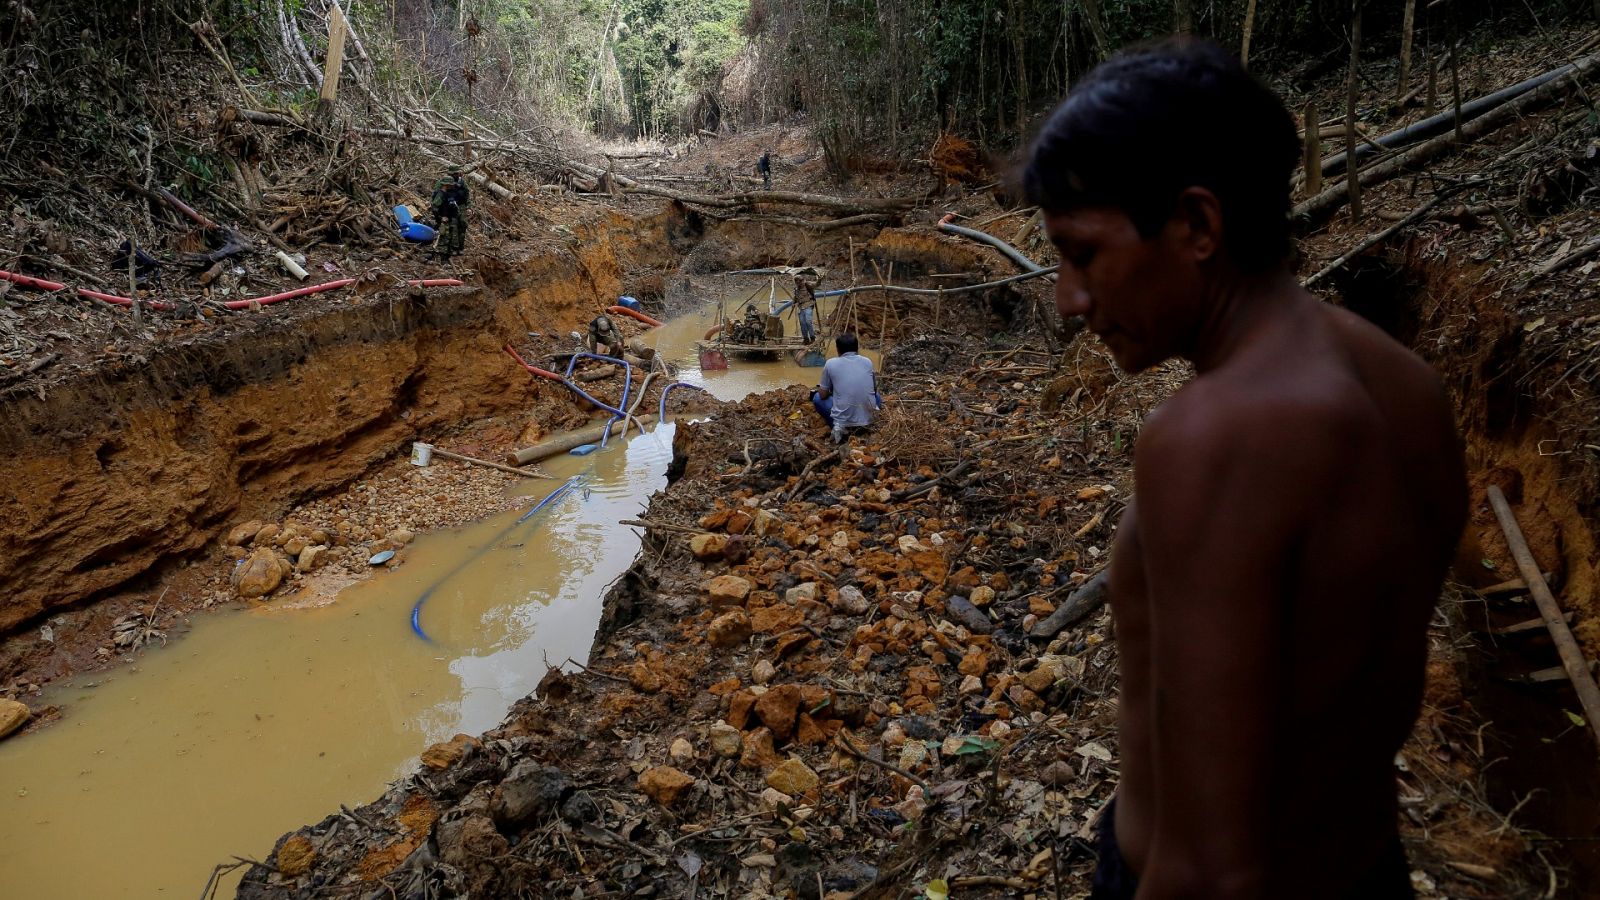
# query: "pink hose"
[[30, 281], [542, 373], [623, 310]]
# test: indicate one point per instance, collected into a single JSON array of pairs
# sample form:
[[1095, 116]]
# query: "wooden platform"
[[766, 349]]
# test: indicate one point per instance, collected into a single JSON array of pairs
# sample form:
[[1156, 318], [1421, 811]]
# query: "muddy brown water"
[[258, 721]]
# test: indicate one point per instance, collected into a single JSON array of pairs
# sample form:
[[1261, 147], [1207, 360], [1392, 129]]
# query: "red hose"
[[290, 295], [623, 310], [542, 373], [42, 284]]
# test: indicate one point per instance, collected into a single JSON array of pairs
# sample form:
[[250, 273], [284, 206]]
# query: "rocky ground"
[[876, 670]]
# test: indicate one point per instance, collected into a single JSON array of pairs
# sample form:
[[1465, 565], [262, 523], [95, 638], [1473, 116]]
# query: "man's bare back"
[[1296, 505]]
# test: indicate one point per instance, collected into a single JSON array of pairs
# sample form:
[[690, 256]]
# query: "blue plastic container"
[[411, 229]]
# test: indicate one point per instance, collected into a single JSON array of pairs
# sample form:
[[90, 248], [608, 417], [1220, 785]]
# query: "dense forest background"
[[873, 76]]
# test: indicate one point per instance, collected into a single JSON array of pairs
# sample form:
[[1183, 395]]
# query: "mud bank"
[[143, 461]]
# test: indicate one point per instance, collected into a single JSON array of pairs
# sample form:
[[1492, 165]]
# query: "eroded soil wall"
[[112, 471]]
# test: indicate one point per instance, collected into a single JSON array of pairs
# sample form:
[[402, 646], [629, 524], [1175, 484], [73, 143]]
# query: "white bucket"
[[421, 454]]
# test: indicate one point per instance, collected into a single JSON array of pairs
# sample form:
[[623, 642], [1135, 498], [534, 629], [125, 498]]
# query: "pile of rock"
[[269, 555]]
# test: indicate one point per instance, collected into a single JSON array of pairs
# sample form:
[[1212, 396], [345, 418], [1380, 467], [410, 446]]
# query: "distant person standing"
[[450, 200], [764, 166], [805, 304], [847, 397]]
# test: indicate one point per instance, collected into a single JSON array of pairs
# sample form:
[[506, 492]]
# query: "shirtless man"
[[1298, 502]]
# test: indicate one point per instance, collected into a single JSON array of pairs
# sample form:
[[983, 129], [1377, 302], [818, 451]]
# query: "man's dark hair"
[[847, 343], [1153, 121]]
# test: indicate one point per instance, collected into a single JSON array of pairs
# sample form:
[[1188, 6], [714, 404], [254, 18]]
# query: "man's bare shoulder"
[[1248, 419]]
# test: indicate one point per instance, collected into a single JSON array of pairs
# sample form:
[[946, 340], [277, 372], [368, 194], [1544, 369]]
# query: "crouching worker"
[[847, 398], [603, 338]]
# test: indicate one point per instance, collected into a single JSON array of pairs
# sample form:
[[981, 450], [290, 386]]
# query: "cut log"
[[334, 64], [1445, 121], [820, 224], [1313, 150], [1417, 214], [565, 442], [1083, 601], [1317, 208]]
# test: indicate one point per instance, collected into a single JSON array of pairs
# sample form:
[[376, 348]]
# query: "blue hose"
[[627, 385], [627, 381], [416, 610], [662, 416]]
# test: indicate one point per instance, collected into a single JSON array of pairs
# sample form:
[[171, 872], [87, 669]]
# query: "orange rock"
[[976, 662], [296, 856], [931, 565], [445, 754], [777, 709], [922, 680], [664, 784], [644, 678], [715, 520], [882, 563], [758, 753], [739, 522], [793, 777], [775, 619], [727, 590], [730, 629], [1040, 607], [724, 687], [814, 696], [739, 709], [964, 577], [808, 733], [792, 643], [708, 546]]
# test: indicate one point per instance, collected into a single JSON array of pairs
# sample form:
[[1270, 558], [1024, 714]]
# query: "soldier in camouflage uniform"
[[450, 200]]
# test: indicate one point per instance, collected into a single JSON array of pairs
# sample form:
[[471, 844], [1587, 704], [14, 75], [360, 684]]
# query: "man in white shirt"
[[847, 396]]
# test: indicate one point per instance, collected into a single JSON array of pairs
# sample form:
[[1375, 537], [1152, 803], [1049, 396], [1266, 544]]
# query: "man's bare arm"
[[1223, 502]]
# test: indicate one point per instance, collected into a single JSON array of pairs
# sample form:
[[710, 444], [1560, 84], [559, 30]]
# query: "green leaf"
[[937, 889], [1576, 719], [1487, 563], [976, 744]]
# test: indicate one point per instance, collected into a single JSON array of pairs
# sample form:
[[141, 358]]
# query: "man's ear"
[[1198, 214]]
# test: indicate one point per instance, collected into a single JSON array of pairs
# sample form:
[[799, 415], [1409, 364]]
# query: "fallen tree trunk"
[[1315, 209], [565, 442], [747, 198], [1083, 601], [1442, 122], [1415, 215], [822, 225], [1577, 668]]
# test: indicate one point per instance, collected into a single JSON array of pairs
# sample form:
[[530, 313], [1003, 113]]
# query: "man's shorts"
[[1388, 879]]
